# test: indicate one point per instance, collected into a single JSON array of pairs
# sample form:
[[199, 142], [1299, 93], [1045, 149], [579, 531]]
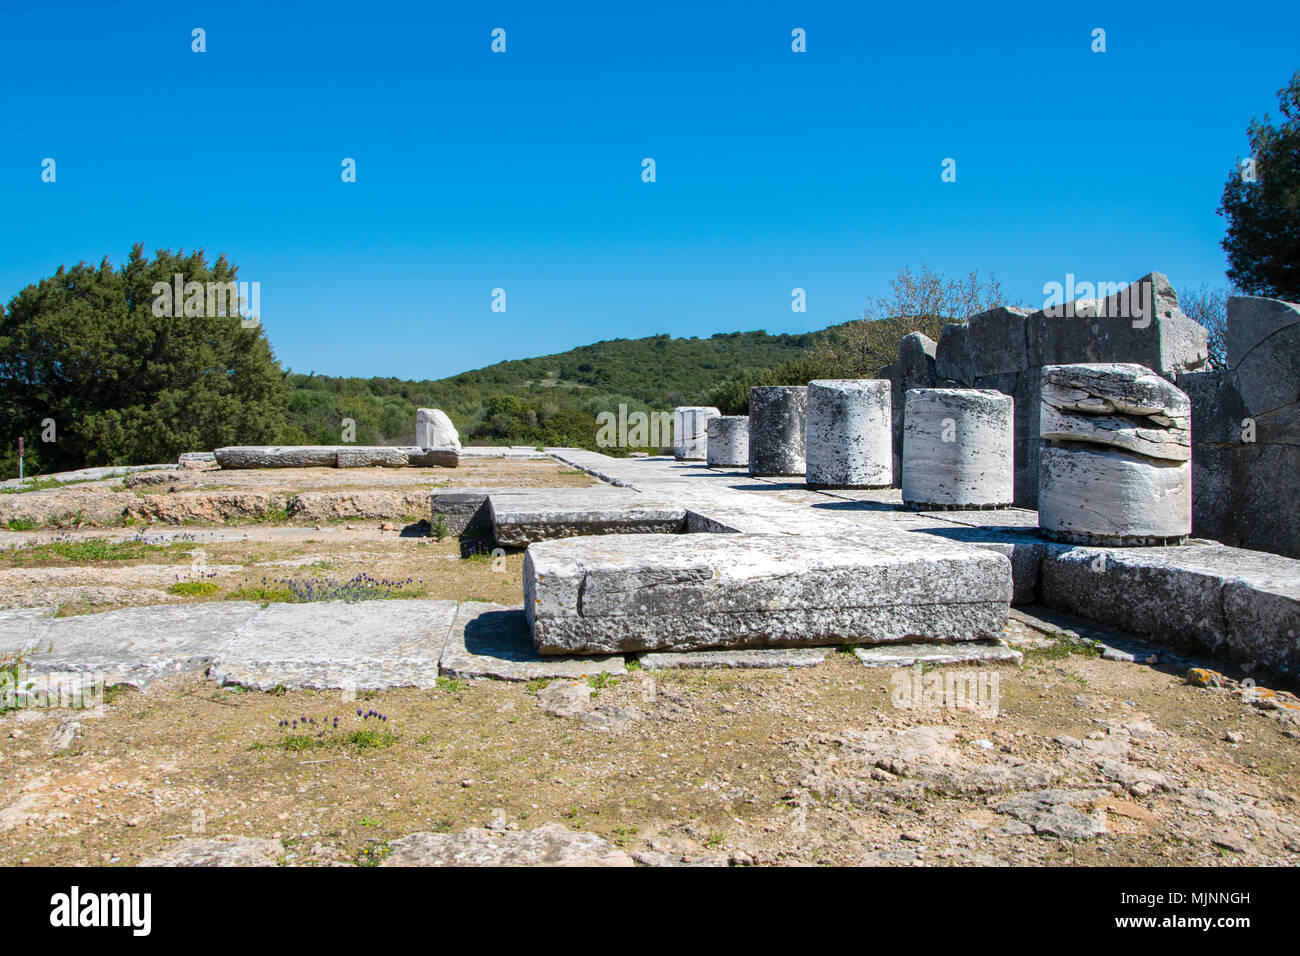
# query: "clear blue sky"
[[523, 170]]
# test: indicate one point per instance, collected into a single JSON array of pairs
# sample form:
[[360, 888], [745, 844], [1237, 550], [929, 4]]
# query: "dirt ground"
[[812, 766]]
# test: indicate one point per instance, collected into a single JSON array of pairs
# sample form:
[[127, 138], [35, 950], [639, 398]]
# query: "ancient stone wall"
[[1246, 431], [1006, 348]]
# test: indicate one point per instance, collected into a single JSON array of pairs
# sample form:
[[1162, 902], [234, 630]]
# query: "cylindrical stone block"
[[1115, 468], [958, 449], [850, 442], [777, 422], [1101, 496], [690, 431], [728, 441]]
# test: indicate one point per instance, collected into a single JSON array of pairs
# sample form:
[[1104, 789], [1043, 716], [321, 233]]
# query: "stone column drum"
[[777, 424], [958, 449], [728, 441], [850, 441], [1116, 463], [690, 431]]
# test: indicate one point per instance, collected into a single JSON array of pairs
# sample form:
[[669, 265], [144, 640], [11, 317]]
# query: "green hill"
[[551, 399]]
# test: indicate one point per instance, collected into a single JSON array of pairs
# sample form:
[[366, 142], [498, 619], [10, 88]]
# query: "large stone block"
[[1139, 323], [850, 434], [1116, 465], [1268, 371], [1229, 602], [691, 431], [728, 442], [777, 430], [958, 449], [1253, 319], [433, 429], [623, 593]]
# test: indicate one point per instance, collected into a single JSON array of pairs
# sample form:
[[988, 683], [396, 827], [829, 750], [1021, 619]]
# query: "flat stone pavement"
[[363, 645]]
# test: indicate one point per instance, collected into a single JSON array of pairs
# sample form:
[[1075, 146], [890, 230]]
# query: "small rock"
[[1234, 737]]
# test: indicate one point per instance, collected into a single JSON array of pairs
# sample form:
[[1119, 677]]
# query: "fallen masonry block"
[[373, 456], [728, 442], [958, 446], [850, 441], [521, 519], [690, 431], [278, 456], [1115, 468], [619, 593], [433, 429], [334, 456], [777, 430]]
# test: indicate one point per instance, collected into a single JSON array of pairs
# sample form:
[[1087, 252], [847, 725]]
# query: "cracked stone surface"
[[550, 845], [221, 851], [364, 645]]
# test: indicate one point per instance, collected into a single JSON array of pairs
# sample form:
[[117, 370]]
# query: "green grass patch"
[[89, 551], [193, 588], [21, 524], [358, 740]]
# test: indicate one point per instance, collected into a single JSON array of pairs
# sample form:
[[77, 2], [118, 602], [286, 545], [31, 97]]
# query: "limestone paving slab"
[[906, 655], [139, 644], [489, 640], [755, 657], [21, 630], [361, 645], [620, 593]]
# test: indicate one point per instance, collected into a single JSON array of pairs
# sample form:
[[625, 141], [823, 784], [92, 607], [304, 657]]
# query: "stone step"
[[621, 593], [521, 519]]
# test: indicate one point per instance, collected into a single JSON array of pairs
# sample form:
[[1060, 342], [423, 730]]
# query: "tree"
[[1209, 308], [1261, 202], [84, 349], [923, 302]]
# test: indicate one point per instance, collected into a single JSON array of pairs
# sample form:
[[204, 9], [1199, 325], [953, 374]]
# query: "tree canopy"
[[1261, 202], [85, 360]]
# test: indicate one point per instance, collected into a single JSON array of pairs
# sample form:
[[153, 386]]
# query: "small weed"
[[450, 685]]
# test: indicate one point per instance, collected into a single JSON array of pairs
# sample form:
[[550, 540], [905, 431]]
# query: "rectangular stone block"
[[521, 519], [1227, 601], [640, 593]]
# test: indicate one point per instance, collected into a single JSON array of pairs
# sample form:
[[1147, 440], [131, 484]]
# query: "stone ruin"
[[1246, 431], [788, 540], [437, 446]]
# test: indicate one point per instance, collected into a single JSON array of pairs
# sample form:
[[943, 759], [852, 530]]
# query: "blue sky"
[[522, 170]]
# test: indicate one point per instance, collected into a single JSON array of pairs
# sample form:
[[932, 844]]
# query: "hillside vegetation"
[[548, 400]]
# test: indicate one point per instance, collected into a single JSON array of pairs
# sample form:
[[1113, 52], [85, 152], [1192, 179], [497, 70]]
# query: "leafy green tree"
[[1261, 202], [85, 350]]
